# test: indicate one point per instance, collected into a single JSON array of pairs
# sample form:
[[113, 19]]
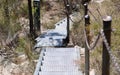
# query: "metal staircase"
[[58, 61]]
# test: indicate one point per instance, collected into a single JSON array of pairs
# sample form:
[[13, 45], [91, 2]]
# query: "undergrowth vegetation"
[[11, 11]]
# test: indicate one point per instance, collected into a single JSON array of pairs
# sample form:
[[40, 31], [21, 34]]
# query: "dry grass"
[[51, 13]]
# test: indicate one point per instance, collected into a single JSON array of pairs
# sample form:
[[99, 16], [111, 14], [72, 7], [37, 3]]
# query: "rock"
[[20, 59], [22, 35], [7, 69], [35, 61], [82, 50], [38, 50], [26, 63], [1, 69], [92, 72], [1, 58], [10, 68], [99, 1], [16, 71]]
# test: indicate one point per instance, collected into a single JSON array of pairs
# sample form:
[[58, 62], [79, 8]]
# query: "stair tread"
[[60, 73]]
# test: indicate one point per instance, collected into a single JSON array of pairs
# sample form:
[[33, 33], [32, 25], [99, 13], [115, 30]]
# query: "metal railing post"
[[105, 55], [86, 8], [87, 29], [68, 20], [37, 27], [67, 6], [30, 18]]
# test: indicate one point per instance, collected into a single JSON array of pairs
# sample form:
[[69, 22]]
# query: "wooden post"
[[106, 57], [36, 4], [87, 29]]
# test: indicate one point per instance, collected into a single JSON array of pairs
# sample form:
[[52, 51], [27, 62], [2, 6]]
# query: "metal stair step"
[[58, 60], [58, 63], [60, 49], [59, 54], [59, 57], [60, 66], [48, 68], [61, 73]]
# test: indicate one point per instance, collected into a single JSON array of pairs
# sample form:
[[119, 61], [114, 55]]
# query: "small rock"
[[82, 50], [20, 59], [1, 58], [92, 72]]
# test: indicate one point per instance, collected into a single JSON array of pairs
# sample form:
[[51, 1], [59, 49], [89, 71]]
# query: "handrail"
[[106, 35]]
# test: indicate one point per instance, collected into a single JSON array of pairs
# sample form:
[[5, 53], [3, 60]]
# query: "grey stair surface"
[[58, 61], [60, 73], [55, 37], [59, 68]]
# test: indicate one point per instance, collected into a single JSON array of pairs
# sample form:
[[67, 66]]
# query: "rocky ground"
[[19, 64], [12, 63]]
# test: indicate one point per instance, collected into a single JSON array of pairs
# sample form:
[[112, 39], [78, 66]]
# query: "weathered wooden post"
[[87, 29], [36, 4], [106, 57]]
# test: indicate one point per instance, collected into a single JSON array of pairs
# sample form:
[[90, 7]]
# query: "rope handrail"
[[77, 21], [113, 58], [94, 43], [94, 17], [106, 41]]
